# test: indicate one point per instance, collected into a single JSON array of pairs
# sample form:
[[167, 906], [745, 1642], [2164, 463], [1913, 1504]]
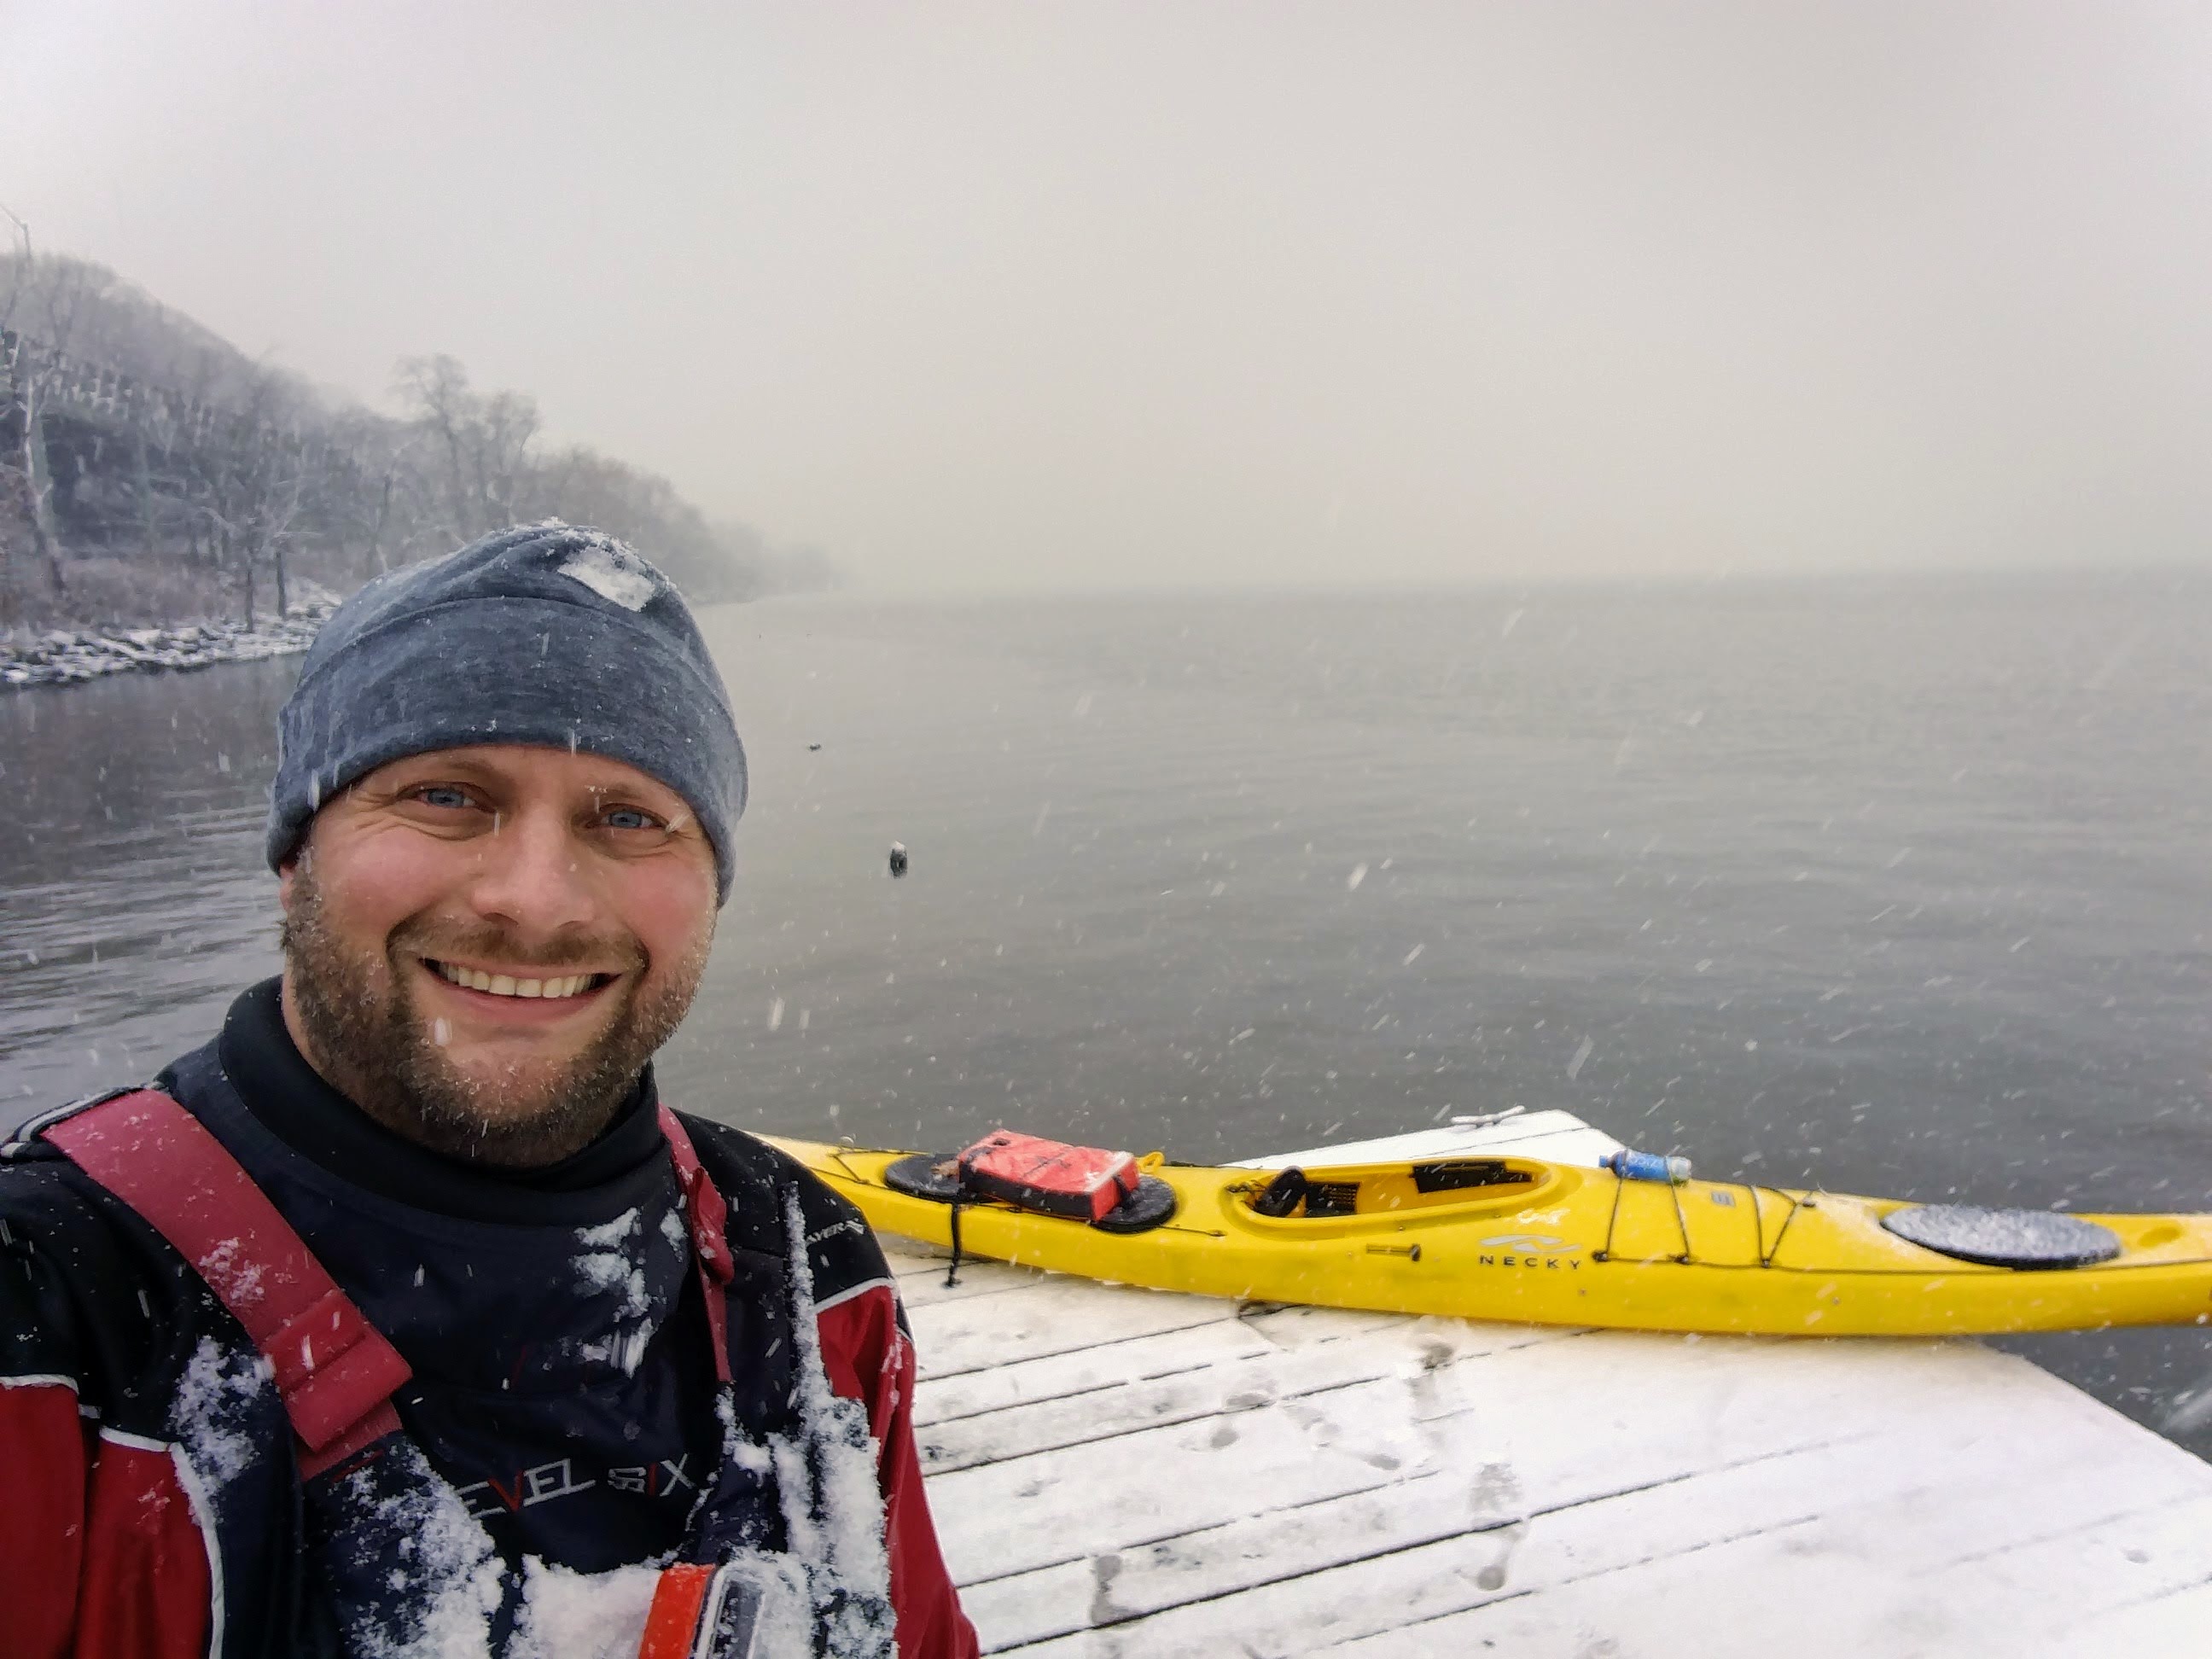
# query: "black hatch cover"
[[2005, 1238]]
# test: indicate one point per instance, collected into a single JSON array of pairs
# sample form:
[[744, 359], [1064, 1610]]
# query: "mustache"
[[610, 952]]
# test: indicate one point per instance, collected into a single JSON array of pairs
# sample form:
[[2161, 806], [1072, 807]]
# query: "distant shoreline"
[[72, 656]]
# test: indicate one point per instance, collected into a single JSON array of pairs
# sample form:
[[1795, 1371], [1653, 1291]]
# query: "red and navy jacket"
[[564, 1403]]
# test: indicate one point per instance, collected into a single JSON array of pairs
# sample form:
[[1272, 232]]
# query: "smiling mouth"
[[508, 985]]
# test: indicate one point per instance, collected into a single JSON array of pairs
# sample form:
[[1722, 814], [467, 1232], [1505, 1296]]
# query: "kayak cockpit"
[[1435, 1185]]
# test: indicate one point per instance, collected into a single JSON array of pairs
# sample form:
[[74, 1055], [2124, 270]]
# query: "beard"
[[368, 1040]]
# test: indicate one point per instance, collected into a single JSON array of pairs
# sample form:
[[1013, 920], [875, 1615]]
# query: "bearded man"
[[403, 1318]]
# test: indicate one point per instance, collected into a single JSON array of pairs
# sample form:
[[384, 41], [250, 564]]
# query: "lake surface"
[[1902, 886]]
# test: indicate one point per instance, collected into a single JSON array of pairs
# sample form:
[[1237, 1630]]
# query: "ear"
[[285, 873]]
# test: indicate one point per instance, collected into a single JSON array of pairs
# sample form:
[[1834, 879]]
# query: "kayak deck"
[[1118, 1473]]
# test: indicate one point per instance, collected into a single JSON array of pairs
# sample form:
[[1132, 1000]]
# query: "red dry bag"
[[1083, 1182]]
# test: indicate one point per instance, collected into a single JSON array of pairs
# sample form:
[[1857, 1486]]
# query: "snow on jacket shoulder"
[[152, 1506], [868, 1355]]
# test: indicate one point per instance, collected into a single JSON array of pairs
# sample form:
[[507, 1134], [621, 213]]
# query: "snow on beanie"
[[550, 635]]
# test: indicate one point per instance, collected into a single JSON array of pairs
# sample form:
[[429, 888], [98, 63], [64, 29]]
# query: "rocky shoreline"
[[64, 656]]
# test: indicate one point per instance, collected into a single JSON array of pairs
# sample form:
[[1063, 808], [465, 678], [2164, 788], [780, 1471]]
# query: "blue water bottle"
[[1647, 1166]]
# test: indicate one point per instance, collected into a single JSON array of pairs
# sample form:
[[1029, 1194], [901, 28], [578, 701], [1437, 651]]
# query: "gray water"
[[1899, 887]]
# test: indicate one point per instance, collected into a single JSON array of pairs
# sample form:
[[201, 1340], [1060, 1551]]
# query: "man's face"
[[484, 946]]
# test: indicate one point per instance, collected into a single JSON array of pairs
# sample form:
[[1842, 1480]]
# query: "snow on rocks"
[[61, 657]]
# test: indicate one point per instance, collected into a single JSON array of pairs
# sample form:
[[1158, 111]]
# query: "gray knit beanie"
[[550, 635]]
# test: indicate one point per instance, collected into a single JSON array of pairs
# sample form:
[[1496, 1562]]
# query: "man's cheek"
[[676, 918], [385, 856]]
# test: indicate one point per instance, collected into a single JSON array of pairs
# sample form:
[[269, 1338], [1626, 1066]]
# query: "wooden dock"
[[1123, 1474]]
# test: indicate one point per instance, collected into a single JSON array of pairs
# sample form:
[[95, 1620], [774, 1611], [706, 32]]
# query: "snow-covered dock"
[[1121, 1471]]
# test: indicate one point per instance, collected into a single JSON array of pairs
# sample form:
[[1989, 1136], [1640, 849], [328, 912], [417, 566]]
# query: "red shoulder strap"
[[334, 1369], [704, 1209]]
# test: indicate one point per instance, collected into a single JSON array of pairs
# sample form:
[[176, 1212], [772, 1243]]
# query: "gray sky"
[[1015, 294]]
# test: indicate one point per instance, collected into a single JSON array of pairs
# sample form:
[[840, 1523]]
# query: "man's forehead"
[[521, 762]]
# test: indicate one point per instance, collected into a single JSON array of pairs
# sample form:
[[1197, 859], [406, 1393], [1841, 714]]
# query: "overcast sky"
[[1024, 295]]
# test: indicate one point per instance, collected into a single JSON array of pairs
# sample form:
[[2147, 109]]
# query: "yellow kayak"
[[1556, 1244]]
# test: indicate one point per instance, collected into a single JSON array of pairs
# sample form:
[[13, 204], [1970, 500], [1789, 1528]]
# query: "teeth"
[[506, 985]]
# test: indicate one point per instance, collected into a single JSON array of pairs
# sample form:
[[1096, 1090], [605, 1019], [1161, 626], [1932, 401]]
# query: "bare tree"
[[481, 444], [258, 488], [48, 295]]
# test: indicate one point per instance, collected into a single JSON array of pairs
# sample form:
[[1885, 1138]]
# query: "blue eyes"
[[452, 798]]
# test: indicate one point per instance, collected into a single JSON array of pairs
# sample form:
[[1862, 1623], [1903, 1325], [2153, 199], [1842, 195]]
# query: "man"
[[401, 1318]]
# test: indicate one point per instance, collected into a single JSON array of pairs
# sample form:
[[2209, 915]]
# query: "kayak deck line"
[[1124, 1473]]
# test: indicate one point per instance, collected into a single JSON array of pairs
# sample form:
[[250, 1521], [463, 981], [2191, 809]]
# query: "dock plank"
[[1205, 1372], [922, 1281], [1247, 1332], [1048, 1319]]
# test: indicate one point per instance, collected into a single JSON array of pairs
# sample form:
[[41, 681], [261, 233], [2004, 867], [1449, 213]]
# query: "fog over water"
[[998, 296]]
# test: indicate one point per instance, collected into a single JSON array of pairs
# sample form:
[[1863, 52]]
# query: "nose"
[[534, 877]]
